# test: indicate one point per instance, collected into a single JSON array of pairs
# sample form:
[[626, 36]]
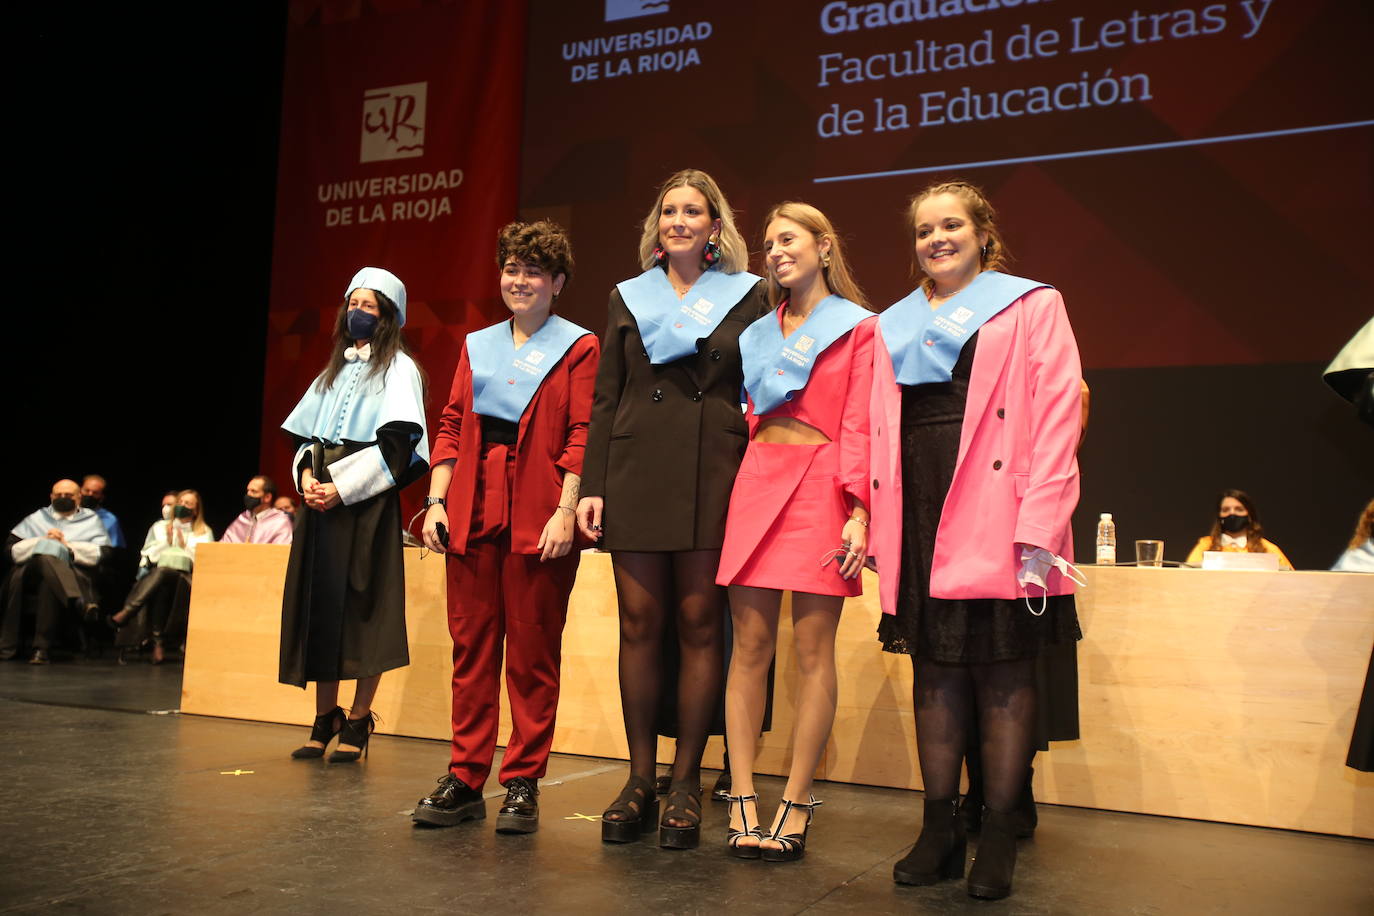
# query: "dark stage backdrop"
[[1195, 178], [399, 149], [141, 201]]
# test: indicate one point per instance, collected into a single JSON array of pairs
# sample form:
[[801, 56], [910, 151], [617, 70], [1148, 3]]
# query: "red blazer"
[[552, 437]]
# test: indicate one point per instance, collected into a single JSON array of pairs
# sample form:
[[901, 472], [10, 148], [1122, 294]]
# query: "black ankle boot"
[[939, 850], [995, 860]]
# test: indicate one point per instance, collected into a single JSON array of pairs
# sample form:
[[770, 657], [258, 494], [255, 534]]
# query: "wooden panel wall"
[[1218, 695]]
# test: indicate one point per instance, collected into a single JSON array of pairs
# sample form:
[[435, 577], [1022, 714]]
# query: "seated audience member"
[[156, 607], [260, 522], [285, 504], [93, 498], [54, 550], [1359, 557], [1236, 529]]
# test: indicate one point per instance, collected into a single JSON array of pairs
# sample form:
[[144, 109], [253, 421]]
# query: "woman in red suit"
[[798, 519], [507, 466]]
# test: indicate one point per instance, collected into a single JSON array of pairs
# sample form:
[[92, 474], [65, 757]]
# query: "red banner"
[[400, 146]]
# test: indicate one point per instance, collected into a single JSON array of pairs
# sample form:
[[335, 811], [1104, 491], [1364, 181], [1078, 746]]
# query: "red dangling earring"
[[660, 256]]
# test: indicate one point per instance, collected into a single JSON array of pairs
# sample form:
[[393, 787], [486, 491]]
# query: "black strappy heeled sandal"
[[325, 728], [733, 836], [793, 844], [684, 804], [637, 807], [354, 732]]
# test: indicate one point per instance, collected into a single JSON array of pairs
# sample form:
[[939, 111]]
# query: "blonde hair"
[[198, 521], [734, 254], [837, 275], [995, 255]]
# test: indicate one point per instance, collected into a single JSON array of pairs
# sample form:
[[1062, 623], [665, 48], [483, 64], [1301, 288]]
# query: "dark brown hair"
[[268, 484], [995, 255], [1254, 535], [543, 242], [386, 342]]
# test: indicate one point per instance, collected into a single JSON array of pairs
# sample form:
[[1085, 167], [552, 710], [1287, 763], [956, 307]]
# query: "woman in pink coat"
[[975, 418]]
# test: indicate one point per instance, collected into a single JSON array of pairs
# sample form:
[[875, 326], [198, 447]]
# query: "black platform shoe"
[[450, 804], [635, 810], [995, 860], [520, 811], [939, 850], [354, 732], [793, 844], [684, 804], [325, 728]]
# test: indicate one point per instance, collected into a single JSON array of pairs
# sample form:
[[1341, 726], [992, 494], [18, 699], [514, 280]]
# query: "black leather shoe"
[[520, 811], [450, 804], [40, 657]]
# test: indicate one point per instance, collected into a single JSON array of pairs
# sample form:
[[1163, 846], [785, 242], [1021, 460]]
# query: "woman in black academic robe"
[[360, 429]]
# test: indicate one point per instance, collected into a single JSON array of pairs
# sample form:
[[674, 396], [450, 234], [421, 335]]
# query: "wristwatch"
[[435, 501]]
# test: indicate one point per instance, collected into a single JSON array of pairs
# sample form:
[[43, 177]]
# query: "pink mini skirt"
[[787, 514]]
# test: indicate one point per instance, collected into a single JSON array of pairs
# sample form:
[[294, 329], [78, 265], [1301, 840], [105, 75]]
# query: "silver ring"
[[596, 527]]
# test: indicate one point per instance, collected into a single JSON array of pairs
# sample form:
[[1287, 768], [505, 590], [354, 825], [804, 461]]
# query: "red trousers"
[[496, 596]]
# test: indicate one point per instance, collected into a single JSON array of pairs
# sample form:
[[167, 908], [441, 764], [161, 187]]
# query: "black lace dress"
[[968, 631]]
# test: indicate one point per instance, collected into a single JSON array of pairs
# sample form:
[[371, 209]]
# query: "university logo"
[[703, 305], [535, 358], [805, 343], [633, 9], [393, 123], [961, 315]]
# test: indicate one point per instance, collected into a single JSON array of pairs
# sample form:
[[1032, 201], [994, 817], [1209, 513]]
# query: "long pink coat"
[[1016, 480]]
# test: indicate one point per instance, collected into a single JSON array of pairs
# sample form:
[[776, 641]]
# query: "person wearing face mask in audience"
[[260, 522], [55, 549], [360, 432], [976, 417], [93, 498], [287, 505], [1236, 529], [156, 608]]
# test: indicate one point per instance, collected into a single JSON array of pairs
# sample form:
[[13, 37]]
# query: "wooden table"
[[1209, 694]]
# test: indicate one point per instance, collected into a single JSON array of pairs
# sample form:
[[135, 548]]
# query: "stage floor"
[[110, 809]]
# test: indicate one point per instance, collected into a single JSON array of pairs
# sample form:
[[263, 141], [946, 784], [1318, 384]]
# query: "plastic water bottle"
[[1106, 540]]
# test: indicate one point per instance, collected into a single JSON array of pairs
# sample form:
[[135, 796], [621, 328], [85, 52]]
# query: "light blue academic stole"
[[925, 342], [505, 379], [775, 367], [670, 327]]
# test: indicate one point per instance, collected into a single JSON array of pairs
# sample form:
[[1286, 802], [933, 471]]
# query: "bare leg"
[[815, 619], [363, 695], [754, 612]]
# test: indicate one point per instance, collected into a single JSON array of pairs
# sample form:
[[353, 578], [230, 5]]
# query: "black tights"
[[946, 698], [649, 586]]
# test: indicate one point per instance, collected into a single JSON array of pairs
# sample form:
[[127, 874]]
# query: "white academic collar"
[[364, 353], [1228, 541]]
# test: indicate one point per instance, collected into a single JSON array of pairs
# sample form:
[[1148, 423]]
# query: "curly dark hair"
[[544, 243]]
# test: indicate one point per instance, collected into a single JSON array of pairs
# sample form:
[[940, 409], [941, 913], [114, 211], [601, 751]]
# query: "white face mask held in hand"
[[1036, 563]]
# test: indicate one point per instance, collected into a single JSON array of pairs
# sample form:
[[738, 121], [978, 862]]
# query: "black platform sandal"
[[733, 836], [323, 731], [637, 807], [354, 732], [793, 844], [684, 804]]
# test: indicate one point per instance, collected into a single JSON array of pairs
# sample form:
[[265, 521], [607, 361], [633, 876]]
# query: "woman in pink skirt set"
[[797, 519]]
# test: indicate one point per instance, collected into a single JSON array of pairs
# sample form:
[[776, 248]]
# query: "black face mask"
[[182, 512], [90, 502], [361, 325], [63, 504], [250, 502], [1232, 524]]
